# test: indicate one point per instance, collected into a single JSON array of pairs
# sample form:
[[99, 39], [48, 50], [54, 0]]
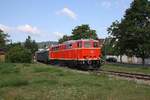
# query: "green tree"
[[9, 46], [116, 42], [64, 38], [83, 32], [3, 39], [133, 32], [31, 45], [80, 32], [107, 48], [18, 54]]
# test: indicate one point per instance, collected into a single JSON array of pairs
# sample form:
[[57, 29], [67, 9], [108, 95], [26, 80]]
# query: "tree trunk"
[[143, 61], [120, 58]]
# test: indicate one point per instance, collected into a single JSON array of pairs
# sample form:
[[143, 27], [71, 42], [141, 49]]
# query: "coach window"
[[95, 44], [87, 44], [79, 44], [57, 48]]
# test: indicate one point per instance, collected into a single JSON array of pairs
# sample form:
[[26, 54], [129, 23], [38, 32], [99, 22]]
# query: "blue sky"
[[48, 20]]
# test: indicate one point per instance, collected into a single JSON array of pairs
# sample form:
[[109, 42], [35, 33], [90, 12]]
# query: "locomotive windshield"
[[87, 44]]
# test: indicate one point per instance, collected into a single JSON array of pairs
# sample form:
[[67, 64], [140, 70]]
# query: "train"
[[80, 54]]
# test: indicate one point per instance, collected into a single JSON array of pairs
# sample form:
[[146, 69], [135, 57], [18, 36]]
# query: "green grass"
[[127, 68], [46, 82], [13, 81]]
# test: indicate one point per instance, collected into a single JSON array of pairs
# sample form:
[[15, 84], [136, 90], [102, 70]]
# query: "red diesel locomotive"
[[85, 54]]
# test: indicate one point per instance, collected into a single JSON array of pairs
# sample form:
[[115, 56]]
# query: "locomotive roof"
[[72, 41]]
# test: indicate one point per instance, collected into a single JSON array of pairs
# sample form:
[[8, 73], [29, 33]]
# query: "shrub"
[[19, 54]]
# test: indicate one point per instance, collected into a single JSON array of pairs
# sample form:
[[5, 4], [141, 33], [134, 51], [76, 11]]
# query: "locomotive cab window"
[[95, 44], [87, 44]]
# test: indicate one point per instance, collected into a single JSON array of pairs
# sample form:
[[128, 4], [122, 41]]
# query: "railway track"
[[138, 76], [128, 75]]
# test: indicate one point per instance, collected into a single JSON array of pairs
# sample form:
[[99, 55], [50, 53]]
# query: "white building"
[[131, 60]]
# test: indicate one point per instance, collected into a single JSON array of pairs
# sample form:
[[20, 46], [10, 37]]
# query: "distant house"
[[129, 60], [2, 55]]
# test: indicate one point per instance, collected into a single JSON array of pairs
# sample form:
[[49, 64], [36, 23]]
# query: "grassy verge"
[[46, 82], [127, 68]]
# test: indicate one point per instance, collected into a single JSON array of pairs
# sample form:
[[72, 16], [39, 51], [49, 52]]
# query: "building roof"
[[2, 50]]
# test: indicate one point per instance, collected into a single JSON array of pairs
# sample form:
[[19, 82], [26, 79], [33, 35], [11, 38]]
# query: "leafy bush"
[[19, 54]]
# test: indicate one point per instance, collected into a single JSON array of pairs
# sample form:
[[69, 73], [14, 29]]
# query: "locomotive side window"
[[87, 44], [52, 49], [79, 44], [95, 44], [69, 46], [55, 48]]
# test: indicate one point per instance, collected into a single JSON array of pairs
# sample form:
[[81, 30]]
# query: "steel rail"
[[127, 74]]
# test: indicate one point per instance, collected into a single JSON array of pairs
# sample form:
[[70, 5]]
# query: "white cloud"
[[67, 12], [21, 28], [5, 28], [106, 4], [31, 30], [58, 34], [28, 29]]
